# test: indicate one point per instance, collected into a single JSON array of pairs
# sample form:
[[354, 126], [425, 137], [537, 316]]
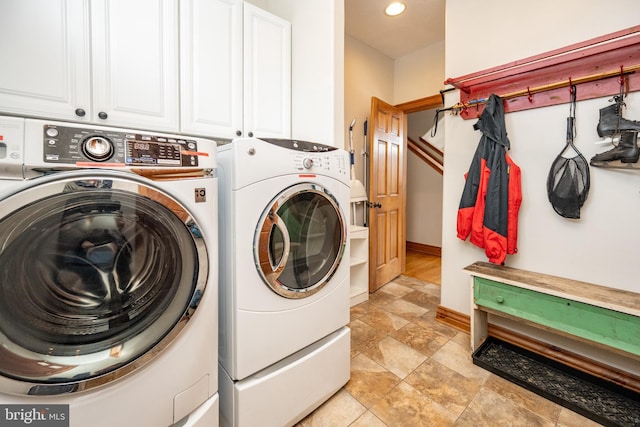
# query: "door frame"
[[427, 103], [421, 104]]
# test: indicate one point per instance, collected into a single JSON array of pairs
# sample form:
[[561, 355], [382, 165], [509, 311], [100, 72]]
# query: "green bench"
[[605, 317]]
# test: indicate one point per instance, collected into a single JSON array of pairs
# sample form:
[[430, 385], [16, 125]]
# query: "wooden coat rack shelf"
[[598, 67]]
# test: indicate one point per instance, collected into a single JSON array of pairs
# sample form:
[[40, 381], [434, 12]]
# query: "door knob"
[[374, 205]]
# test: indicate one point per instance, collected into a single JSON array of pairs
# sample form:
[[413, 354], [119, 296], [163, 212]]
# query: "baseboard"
[[425, 249], [454, 319], [462, 322]]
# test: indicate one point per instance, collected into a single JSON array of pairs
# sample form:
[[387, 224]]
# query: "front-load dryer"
[[284, 346], [108, 275]]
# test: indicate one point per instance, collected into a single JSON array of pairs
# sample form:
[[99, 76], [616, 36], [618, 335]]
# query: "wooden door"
[[387, 193]]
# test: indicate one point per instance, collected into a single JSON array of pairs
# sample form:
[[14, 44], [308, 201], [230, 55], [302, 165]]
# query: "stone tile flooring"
[[409, 370]]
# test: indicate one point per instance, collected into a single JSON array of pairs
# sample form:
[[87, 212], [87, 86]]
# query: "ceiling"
[[421, 25]]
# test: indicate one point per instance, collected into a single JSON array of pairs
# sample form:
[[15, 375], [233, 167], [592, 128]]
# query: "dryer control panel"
[[71, 145], [312, 156], [298, 145]]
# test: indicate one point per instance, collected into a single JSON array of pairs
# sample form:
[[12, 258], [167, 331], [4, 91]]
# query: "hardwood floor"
[[423, 267]]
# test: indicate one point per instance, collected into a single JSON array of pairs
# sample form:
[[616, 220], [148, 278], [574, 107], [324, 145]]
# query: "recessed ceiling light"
[[395, 8]]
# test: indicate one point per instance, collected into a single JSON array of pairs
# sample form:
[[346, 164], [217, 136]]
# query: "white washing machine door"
[[98, 272], [300, 240]]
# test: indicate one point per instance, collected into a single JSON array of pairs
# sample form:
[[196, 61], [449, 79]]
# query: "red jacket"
[[490, 202]]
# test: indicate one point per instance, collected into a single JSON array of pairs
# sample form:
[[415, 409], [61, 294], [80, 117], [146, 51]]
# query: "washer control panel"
[[65, 144]]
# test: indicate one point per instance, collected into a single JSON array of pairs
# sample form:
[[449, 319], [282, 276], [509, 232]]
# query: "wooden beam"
[[428, 103]]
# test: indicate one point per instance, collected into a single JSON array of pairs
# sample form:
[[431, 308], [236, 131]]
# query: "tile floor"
[[409, 370]]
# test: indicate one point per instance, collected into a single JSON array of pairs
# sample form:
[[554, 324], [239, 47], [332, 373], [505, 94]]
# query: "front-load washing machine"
[[108, 276], [284, 344]]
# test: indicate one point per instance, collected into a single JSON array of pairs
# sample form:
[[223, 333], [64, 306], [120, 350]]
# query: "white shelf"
[[359, 261], [359, 232]]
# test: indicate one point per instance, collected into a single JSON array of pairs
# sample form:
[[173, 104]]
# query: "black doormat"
[[602, 401]]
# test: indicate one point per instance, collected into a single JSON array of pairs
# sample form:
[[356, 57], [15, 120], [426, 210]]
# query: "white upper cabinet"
[[267, 74], [236, 70], [109, 62], [216, 68], [211, 74], [45, 50], [135, 63]]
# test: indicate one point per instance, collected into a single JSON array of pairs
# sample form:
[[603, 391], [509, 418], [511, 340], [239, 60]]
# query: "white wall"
[[317, 102], [262, 4], [424, 188], [419, 74], [601, 247], [424, 203], [367, 73]]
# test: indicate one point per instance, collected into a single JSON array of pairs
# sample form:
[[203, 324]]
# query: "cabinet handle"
[[80, 112], [500, 299], [238, 133], [103, 115], [250, 134]]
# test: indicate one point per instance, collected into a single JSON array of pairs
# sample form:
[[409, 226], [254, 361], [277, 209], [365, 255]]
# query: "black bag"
[[568, 181]]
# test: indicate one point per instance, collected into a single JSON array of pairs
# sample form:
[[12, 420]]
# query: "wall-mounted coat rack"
[[600, 66]]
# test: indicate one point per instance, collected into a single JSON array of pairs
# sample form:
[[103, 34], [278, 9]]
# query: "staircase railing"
[[427, 152]]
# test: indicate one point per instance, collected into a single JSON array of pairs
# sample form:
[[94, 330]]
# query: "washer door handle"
[[279, 223], [269, 267]]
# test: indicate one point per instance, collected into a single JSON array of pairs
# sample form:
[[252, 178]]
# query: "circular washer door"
[[95, 271], [300, 240]]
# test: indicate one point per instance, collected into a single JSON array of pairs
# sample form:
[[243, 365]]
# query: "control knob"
[[97, 148], [307, 162]]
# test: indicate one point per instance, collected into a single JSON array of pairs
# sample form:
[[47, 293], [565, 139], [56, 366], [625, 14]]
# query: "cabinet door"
[[211, 67], [135, 63], [44, 46], [267, 74]]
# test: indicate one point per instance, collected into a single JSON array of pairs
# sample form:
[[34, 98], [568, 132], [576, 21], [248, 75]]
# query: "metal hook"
[[529, 96], [621, 78]]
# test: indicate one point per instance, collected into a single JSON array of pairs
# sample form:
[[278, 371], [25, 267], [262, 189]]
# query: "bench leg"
[[479, 323], [479, 327]]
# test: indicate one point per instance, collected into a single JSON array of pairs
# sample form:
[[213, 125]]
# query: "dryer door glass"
[[300, 241], [93, 274]]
